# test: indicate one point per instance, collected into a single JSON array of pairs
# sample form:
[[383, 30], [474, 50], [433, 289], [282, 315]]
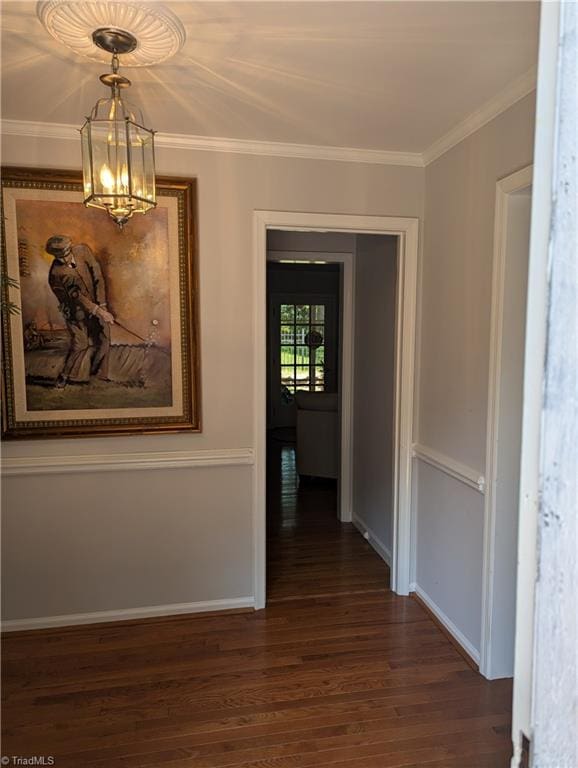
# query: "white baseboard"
[[373, 539], [98, 617], [447, 623]]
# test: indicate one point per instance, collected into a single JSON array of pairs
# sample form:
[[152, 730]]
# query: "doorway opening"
[[304, 391], [504, 428], [307, 369]]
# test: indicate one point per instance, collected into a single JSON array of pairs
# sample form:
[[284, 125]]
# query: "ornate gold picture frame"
[[104, 335]]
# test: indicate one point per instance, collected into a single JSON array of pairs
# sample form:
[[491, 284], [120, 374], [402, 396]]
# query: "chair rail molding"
[[457, 470], [59, 465]]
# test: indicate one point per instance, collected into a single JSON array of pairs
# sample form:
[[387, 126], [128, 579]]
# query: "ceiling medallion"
[[159, 32]]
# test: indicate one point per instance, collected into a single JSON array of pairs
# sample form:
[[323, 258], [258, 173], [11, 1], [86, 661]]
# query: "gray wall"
[[80, 543], [374, 371], [454, 357], [83, 542], [316, 242]]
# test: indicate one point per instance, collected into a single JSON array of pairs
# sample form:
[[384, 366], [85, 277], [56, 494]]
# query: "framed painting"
[[103, 338]]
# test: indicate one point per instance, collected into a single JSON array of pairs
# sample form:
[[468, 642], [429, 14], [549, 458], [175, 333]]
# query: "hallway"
[[413, 699], [309, 554], [336, 671]]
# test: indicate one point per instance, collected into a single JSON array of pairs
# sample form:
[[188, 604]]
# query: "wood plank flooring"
[[336, 671]]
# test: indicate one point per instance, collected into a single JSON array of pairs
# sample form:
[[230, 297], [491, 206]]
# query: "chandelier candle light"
[[117, 150]]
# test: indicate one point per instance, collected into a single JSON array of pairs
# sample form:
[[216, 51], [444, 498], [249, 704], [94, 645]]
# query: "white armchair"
[[317, 449]]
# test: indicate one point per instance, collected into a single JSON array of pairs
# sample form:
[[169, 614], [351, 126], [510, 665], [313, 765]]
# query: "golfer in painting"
[[77, 281]]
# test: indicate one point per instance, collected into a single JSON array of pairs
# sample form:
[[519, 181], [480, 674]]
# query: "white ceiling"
[[378, 75]]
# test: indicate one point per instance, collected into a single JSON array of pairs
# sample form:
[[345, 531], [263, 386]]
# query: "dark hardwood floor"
[[309, 554], [336, 671]]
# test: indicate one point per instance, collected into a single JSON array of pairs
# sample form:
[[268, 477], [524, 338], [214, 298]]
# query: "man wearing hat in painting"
[[77, 281]]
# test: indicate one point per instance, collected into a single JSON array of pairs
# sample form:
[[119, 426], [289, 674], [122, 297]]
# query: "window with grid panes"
[[302, 347]]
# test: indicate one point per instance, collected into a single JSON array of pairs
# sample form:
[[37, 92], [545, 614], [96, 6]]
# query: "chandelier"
[[118, 162]]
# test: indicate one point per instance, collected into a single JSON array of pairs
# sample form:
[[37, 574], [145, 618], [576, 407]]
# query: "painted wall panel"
[[449, 547], [114, 540]]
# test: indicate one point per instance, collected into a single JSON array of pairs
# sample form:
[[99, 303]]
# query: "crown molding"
[[517, 89], [280, 149], [68, 132], [473, 122], [39, 130]]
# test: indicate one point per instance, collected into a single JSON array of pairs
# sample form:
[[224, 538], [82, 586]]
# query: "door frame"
[[406, 230], [505, 187], [346, 367]]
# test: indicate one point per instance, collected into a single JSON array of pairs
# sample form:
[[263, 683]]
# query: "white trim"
[[536, 325], [407, 231], [447, 623], [50, 465], [404, 402], [259, 409], [346, 354], [370, 536], [127, 614], [512, 183], [39, 130], [477, 119], [555, 684], [67, 132], [347, 391], [417, 403], [457, 470]]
